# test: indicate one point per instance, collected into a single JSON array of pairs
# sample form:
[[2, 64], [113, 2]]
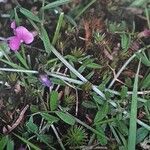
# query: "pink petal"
[[25, 35], [13, 25], [14, 43], [145, 33]]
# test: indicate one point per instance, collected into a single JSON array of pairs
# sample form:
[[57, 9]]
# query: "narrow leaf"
[[10, 145], [101, 113], [56, 4], [27, 142], [133, 114], [141, 134], [53, 100], [45, 38], [59, 24], [3, 142], [101, 139], [51, 119], [67, 118], [29, 14], [94, 66], [138, 3]]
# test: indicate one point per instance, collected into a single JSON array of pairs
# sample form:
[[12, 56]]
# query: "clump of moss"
[[76, 136]]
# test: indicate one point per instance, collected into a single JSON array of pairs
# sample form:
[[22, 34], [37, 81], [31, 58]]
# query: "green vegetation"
[[83, 82]]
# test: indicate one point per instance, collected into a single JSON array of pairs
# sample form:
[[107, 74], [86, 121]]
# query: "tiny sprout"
[[77, 52]]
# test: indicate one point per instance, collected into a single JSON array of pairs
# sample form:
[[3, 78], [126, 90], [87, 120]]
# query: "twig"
[[114, 74], [77, 102], [125, 65], [58, 138], [10, 128]]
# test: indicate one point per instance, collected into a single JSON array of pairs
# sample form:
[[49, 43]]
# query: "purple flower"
[[21, 34], [45, 80]]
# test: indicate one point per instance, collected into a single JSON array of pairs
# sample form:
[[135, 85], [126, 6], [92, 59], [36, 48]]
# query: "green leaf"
[[34, 108], [81, 69], [123, 139], [125, 41], [101, 114], [57, 31], [10, 145], [15, 66], [4, 49], [144, 59], [139, 3], [45, 38], [101, 138], [32, 127], [133, 114], [98, 98], [56, 4], [89, 76], [122, 127], [51, 119], [123, 92], [67, 118], [94, 66], [146, 82], [3, 142], [27, 142], [89, 104], [16, 17], [22, 60], [141, 134], [53, 100], [47, 139], [29, 14]]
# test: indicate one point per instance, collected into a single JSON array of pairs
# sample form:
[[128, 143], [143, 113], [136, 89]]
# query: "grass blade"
[[56, 4], [56, 35], [27, 142], [44, 37], [72, 69], [29, 14], [84, 9], [133, 115], [126, 64], [22, 60]]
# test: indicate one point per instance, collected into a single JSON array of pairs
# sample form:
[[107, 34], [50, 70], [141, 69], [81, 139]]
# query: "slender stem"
[[58, 27], [143, 124], [19, 70], [42, 11], [59, 140], [147, 16], [84, 9], [72, 69], [65, 78], [125, 65]]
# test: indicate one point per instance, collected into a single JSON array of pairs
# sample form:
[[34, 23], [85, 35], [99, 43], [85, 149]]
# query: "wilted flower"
[[21, 34], [145, 33], [135, 45], [45, 80]]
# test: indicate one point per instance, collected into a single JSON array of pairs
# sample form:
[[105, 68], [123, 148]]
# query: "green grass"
[[133, 114]]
